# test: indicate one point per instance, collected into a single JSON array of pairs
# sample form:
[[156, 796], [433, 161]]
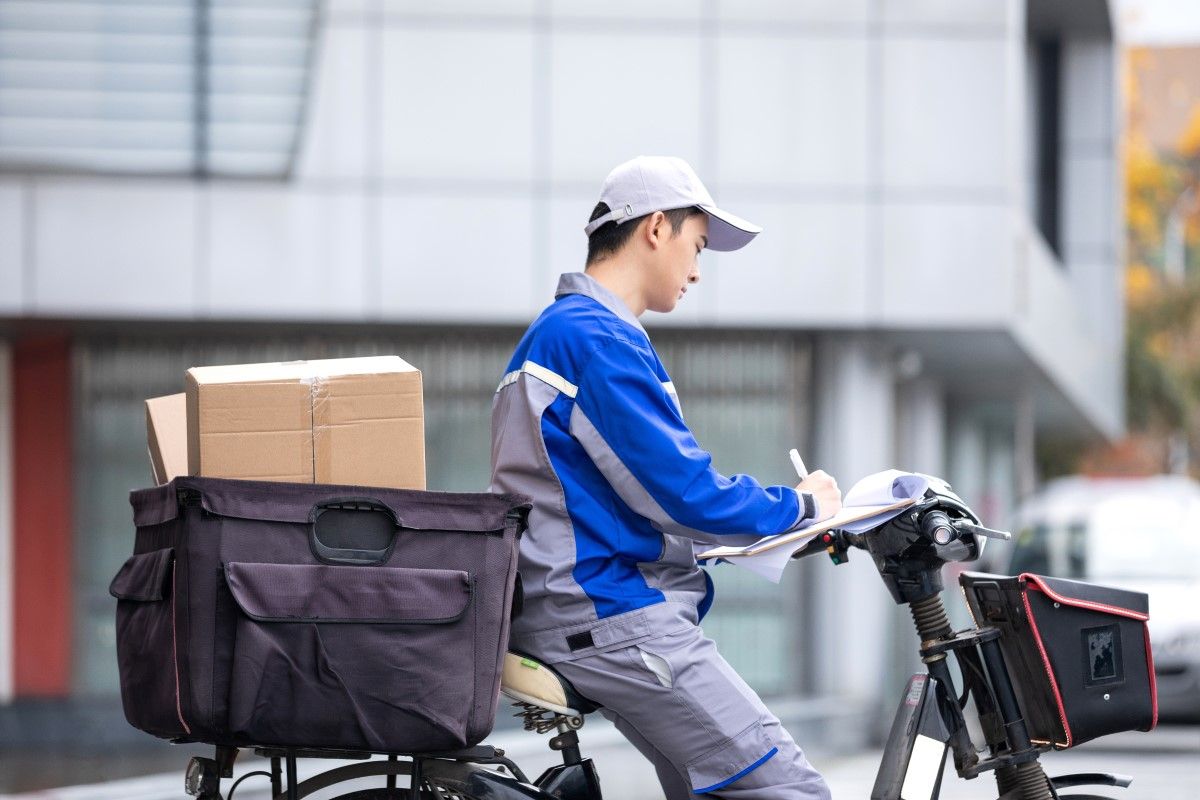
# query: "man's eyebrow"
[[705, 238]]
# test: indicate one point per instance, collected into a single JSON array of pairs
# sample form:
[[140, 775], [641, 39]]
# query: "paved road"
[[1165, 765]]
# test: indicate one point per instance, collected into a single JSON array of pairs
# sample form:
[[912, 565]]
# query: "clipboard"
[[801, 536]]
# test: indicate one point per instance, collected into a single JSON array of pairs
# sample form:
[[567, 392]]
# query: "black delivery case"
[[1078, 653], [314, 615]]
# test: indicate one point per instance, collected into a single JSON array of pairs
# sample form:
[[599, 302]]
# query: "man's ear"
[[655, 231]]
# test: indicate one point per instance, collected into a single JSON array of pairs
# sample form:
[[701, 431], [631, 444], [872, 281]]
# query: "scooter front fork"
[[1023, 782]]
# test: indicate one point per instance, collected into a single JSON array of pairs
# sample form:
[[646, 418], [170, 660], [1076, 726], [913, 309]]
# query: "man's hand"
[[825, 491]]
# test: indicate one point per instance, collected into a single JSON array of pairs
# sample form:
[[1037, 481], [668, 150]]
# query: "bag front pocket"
[[146, 646], [372, 658]]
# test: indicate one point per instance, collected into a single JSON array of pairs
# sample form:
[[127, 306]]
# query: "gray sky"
[[1159, 22]]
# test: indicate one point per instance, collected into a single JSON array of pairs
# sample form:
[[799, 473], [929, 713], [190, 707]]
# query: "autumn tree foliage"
[[1162, 289]]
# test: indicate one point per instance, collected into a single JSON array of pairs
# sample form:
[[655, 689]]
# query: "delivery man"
[[586, 422]]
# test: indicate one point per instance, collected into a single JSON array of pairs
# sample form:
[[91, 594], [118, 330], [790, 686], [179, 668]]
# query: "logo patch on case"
[[1102, 655]]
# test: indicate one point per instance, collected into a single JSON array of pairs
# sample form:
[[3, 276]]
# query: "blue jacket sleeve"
[[633, 430]]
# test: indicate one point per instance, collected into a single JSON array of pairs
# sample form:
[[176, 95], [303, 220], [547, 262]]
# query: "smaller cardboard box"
[[166, 436], [349, 420]]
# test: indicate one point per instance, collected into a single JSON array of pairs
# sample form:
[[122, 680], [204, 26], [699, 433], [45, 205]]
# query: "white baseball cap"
[[661, 183]]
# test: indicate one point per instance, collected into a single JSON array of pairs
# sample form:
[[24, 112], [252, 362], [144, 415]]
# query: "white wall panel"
[[346, 10], [1087, 91], [116, 247], [1097, 290], [12, 247], [333, 138], [772, 11], [461, 8], [792, 110], [627, 9], [944, 114], [1053, 328], [457, 104], [984, 13], [806, 269], [564, 229], [276, 252], [617, 97], [448, 258], [1088, 207], [947, 265]]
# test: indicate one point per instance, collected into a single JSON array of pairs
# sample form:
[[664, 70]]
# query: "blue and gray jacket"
[[586, 422]]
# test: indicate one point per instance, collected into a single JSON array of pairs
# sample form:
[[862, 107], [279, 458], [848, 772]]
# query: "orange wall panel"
[[42, 517]]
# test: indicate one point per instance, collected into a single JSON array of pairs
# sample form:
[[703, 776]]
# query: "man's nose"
[[694, 276]]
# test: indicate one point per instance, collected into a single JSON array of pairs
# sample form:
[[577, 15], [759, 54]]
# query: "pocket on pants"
[[732, 760], [658, 665]]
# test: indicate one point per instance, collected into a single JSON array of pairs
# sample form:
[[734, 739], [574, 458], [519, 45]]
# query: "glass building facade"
[[744, 394]]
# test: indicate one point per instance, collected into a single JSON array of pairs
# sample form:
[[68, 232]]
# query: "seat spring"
[[539, 719]]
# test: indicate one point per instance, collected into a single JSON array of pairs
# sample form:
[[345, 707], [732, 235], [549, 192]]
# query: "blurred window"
[[1077, 541], [173, 87], [745, 397], [1044, 81], [1112, 547], [1031, 553]]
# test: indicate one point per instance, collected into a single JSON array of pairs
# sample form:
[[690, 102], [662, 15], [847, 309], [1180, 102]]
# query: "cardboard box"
[[166, 436], [348, 420]]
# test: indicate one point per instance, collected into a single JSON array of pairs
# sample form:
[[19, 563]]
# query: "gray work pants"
[[681, 704]]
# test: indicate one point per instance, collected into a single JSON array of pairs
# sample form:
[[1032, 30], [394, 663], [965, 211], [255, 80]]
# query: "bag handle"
[[355, 531]]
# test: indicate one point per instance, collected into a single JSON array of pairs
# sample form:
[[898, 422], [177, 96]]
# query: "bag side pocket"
[[146, 647]]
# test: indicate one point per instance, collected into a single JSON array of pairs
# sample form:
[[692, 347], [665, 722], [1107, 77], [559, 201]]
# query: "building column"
[[1001, 496], [42, 517], [921, 427], [920, 447], [1025, 444], [965, 456], [853, 435], [6, 525], [986, 465]]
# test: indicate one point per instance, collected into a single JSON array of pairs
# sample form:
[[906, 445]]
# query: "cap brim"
[[727, 232]]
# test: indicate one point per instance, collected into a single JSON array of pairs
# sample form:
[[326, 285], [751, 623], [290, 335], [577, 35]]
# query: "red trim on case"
[[1153, 682], [175, 655], [1037, 637], [1036, 582]]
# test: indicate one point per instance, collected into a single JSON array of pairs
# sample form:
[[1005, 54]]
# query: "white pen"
[[798, 463]]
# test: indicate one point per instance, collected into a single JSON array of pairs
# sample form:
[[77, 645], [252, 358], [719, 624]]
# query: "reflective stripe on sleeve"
[[542, 374]]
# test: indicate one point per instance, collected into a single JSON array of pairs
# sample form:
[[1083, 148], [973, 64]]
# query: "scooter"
[[909, 552]]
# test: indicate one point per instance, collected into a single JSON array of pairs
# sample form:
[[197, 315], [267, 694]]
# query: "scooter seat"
[[530, 681]]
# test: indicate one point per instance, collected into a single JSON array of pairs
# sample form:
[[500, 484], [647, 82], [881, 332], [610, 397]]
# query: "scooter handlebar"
[[962, 526]]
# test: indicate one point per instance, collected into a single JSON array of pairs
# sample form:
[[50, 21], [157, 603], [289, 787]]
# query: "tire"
[[403, 794], [449, 777]]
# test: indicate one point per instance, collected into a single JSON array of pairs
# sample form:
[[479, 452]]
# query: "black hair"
[[611, 237]]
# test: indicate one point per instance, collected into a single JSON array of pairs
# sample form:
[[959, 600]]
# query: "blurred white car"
[[1132, 533]]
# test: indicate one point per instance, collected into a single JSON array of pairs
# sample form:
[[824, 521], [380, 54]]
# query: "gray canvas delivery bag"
[[315, 615]]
